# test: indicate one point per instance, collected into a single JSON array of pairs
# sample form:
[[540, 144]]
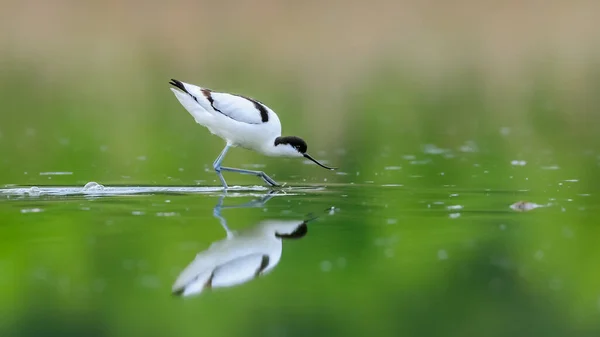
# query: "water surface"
[[375, 258]]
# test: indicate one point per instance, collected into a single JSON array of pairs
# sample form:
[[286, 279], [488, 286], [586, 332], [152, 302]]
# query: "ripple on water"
[[326, 266], [442, 254], [167, 214], [59, 173], [31, 210], [434, 149], [95, 189], [455, 207], [33, 191], [93, 186], [551, 167]]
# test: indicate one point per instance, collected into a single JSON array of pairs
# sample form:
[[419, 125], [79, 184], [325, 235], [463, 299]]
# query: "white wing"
[[239, 108], [239, 270]]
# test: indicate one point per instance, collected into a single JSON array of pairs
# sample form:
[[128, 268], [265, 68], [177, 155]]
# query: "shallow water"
[[387, 258], [466, 203]]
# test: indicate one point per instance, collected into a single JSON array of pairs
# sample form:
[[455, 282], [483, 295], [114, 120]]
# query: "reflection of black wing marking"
[[239, 108]]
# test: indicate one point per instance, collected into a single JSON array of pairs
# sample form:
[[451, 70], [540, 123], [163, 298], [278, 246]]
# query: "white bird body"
[[241, 122], [238, 258], [234, 118]]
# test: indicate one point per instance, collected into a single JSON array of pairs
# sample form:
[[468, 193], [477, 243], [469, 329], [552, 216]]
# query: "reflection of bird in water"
[[241, 256]]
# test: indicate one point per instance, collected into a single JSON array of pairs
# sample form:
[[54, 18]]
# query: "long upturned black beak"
[[179, 85], [307, 156]]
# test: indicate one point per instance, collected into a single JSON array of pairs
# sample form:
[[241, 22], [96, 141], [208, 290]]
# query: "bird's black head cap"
[[296, 142]]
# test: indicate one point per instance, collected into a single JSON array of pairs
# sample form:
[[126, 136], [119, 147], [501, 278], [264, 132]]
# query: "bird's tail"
[[186, 94]]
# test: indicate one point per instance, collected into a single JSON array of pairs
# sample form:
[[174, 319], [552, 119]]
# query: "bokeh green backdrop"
[[84, 89]]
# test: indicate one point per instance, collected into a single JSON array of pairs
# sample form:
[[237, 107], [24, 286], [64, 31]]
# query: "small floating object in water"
[[523, 206]]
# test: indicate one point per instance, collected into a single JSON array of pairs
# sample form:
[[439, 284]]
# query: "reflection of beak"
[[323, 166]]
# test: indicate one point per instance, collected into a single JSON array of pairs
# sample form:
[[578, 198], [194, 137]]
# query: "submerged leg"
[[217, 214], [261, 174], [254, 203], [217, 165]]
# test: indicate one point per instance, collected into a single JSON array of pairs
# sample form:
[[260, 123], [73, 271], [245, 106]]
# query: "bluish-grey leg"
[[254, 203], [217, 165], [261, 174], [217, 214]]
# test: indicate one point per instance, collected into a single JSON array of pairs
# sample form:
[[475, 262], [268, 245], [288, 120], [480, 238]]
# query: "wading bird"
[[242, 122]]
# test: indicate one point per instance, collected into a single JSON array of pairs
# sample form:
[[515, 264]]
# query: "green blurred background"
[[438, 97]]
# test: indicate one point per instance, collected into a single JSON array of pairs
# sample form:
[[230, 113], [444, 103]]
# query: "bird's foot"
[[269, 180]]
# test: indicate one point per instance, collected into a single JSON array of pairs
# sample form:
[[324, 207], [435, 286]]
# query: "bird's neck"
[[270, 149]]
